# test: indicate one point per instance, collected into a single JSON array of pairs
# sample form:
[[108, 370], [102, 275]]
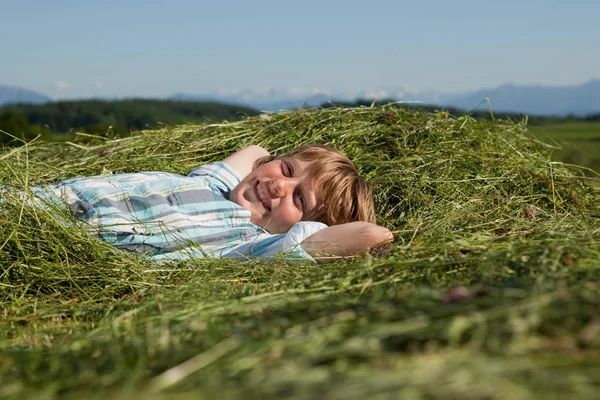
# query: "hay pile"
[[496, 246]]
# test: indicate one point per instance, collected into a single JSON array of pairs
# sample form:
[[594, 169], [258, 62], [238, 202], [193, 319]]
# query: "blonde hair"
[[347, 196]]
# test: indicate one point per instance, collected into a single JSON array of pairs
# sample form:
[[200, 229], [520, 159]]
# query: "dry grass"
[[489, 292]]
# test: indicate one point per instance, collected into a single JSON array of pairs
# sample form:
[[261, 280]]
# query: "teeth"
[[261, 195]]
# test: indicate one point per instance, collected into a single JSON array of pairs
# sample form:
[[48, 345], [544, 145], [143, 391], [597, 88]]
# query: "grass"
[[490, 291], [578, 141]]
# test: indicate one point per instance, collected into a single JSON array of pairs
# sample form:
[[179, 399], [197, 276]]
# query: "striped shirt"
[[173, 217]]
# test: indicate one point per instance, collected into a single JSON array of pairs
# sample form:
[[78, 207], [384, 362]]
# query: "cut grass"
[[491, 289]]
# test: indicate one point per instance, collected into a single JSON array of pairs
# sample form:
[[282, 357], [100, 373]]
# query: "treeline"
[[478, 113], [56, 120], [113, 118]]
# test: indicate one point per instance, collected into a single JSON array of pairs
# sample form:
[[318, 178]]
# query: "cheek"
[[289, 213], [237, 195]]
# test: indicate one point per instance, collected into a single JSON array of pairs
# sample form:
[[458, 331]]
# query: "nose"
[[281, 187]]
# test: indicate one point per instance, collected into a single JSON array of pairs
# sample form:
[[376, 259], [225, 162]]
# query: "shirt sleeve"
[[219, 177], [285, 246]]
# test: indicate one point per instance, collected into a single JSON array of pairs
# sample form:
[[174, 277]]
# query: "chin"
[[265, 225]]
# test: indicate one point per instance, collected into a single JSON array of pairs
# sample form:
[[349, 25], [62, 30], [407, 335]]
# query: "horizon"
[[294, 92], [152, 49]]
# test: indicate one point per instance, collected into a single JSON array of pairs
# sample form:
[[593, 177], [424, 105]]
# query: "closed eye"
[[288, 171], [301, 200]]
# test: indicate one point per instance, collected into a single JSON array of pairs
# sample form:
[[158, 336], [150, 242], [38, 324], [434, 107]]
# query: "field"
[[490, 291], [579, 141]]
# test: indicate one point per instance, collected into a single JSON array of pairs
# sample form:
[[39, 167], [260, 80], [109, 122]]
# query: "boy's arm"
[[335, 242], [243, 160]]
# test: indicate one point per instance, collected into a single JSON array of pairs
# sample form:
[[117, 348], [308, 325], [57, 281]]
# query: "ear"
[[318, 214]]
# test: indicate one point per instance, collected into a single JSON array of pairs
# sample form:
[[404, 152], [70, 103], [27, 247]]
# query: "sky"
[[150, 48]]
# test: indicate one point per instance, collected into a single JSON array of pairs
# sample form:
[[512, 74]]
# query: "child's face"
[[278, 193]]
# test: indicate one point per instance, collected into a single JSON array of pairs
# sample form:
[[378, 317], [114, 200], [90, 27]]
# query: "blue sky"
[[150, 48]]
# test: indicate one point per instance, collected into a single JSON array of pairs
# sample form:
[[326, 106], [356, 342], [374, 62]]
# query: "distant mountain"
[[17, 95], [532, 99], [269, 99], [535, 99], [540, 100]]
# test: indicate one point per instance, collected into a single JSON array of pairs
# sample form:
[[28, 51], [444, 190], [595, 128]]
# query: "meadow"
[[578, 141], [490, 290]]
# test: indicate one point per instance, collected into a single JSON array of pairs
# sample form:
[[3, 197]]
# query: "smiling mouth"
[[260, 195]]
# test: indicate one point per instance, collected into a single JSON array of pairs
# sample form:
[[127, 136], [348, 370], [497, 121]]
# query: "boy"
[[250, 204]]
